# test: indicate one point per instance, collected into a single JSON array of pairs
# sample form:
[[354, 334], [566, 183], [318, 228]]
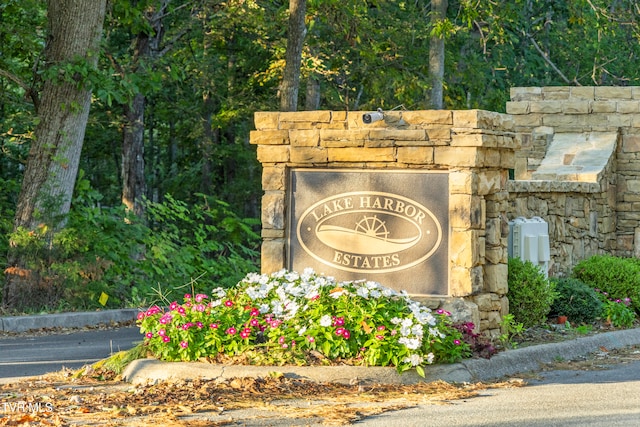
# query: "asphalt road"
[[604, 398], [24, 356]]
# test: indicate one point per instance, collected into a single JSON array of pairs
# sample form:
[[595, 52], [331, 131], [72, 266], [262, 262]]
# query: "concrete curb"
[[507, 363], [66, 320]]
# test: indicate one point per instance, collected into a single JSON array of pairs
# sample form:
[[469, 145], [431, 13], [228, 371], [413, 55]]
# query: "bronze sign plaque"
[[387, 226]]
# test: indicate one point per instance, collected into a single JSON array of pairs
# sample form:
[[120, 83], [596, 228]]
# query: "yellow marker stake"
[[103, 299]]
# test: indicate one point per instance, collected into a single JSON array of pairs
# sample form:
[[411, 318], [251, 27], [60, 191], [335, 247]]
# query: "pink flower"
[[338, 321], [153, 310], [281, 340], [393, 332], [141, 315], [199, 325], [200, 297], [162, 332], [275, 323], [173, 305], [199, 307], [346, 334], [255, 312], [181, 310], [166, 339], [456, 342], [232, 331], [380, 328], [339, 331], [149, 335], [380, 337], [311, 339], [187, 296], [213, 326], [285, 345], [184, 344], [245, 335], [254, 322], [228, 303]]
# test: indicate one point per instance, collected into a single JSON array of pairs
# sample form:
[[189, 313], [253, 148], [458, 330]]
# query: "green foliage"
[[618, 277], [618, 313], [287, 317], [576, 300], [530, 293], [198, 245], [7, 203], [510, 330], [106, 250]]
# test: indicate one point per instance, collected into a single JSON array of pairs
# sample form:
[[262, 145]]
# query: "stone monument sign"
[[415, 200]]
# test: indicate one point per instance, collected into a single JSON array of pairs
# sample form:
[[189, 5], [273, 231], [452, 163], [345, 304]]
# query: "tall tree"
[[71, 53], [436, 54], [147, 49], [295, 41]]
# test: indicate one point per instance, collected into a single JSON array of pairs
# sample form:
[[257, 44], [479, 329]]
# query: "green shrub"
[[576, 300], [530, 293], [618, 277], [107, 251], [618, 313]]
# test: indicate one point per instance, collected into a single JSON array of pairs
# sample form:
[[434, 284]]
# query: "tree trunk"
[[295, 42], [75, 31], [436, 57], [312, 98], [133, 178]]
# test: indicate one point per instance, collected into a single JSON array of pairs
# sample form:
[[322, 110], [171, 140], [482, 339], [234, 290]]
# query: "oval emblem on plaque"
[[368, 231]]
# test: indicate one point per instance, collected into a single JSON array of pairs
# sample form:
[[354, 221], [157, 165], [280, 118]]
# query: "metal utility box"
[[529, 241]]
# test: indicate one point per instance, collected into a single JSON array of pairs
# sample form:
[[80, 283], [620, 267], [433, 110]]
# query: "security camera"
[[373, 116]]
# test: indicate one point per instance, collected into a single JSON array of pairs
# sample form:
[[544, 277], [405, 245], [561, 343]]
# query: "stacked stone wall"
[[476, 148], [585, 218]]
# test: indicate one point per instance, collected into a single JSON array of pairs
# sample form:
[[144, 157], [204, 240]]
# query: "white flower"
[[218, 292], [279, 274], [292, 307], [396, 320], [414, 359], [430, 358], [363, 292], [388, 292], [436, 332], [312, 294], [291, 276], [264, 308], [417, 330], [372, 285], [277, 308], [374, 293], [410, 343], [339, 293], [302, 331], [325, 321]]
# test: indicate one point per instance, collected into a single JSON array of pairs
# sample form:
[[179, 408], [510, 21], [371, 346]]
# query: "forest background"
[[168, 188]]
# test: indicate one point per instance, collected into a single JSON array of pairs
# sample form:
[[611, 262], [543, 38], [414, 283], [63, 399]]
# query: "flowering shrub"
[[617, 311], [303, 318]]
